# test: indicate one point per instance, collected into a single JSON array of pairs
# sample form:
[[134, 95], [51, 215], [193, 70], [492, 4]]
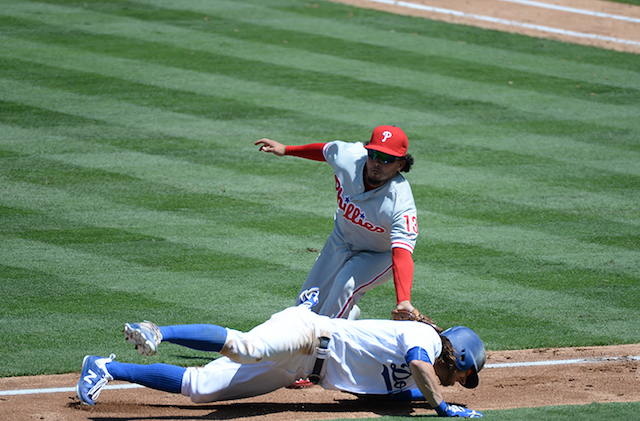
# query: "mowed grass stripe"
[[545, 244], [194, 183], [278, 73], [530, 242], [563, 162], [579, 143], [523, 191], [124, 114], [171, 98], [360, 27], [511, 313], [211, 204], [271, 70], [146, 253], [108, 220], [367, 52], [167, 199], [582, 218], [561, 150], [587, 225], [71, 318], [194, 168], [219, 89], [496, 293], [217, 102], [264, 103], [533, 270], [114, 257], [599, 179], [134, 292]]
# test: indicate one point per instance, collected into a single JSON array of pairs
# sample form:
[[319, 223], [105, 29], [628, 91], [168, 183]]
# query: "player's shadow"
[[254, 409]]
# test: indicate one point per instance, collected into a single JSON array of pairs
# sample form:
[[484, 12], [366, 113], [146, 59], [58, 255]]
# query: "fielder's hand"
[[415, 316], [271, 146]]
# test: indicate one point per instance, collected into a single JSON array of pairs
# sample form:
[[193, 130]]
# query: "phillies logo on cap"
[[390, 140]]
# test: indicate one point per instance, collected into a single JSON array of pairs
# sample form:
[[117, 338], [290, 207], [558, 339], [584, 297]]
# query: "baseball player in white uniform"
[[375, 227], [403, 360]]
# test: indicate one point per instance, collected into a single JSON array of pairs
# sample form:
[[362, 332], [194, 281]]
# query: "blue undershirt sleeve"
[[417, 353]]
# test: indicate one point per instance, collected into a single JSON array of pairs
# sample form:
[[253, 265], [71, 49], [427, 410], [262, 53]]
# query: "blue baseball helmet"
[[469, 352]]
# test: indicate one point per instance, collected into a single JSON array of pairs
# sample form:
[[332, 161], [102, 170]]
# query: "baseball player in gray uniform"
[[399, 360], [375, 227]]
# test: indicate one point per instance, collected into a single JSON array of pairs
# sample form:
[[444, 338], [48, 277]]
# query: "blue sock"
[[201, 337], [163, 377]]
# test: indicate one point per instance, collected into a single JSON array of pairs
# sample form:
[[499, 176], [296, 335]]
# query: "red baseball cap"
[[390, 140]]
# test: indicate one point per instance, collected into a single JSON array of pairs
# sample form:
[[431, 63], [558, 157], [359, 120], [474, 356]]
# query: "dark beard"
[[371, 184]]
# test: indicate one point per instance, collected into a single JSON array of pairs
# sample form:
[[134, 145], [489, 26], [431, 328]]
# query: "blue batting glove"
[[446, 410]]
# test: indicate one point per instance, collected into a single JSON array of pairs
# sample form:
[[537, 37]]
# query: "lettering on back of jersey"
[[353, 213], [400, 374], [395, 376]]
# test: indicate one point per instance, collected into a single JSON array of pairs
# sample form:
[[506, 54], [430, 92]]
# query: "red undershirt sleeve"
[[402, 273], [311, 151]]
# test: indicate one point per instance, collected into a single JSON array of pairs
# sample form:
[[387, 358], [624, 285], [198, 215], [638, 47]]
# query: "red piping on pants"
[[346, 305]]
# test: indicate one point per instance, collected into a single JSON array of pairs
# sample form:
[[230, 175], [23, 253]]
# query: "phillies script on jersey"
[[353, 213]]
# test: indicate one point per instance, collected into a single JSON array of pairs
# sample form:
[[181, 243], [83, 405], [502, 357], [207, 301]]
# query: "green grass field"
[[130, 186]]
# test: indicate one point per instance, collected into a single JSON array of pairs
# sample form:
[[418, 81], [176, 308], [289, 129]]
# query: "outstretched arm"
[[425, 377], [427, 381], [311, 151]]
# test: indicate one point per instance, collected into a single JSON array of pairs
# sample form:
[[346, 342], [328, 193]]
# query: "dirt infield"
[[614, 379], [587, 22]]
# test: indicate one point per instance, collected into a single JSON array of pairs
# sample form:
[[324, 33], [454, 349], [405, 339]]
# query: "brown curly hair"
[[447, 355]]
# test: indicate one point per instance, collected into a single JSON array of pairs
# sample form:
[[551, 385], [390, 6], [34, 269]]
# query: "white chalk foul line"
[[497, 365], [573, 10], [561, 362], [540, 28], [61, 389]]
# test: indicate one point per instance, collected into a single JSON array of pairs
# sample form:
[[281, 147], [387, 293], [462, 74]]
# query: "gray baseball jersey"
[[367, 225], [376, 220]]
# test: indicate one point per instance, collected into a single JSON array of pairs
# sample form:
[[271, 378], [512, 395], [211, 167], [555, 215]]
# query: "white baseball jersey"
[[370, 356], [365, 356]]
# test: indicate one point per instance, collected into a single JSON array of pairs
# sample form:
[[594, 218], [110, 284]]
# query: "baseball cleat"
[[93, 378], [300, 384], [145, 336]]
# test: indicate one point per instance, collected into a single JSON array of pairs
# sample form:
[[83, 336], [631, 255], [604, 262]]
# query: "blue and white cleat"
[[309, 297], [145, 336], [93, 378]]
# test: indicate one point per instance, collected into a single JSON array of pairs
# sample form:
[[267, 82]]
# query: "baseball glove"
[[415, 316]]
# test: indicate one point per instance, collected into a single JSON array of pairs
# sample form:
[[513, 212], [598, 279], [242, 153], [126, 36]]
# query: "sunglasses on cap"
[[385, 157]]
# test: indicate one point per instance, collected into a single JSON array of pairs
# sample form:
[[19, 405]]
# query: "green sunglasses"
[[385, 157]]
